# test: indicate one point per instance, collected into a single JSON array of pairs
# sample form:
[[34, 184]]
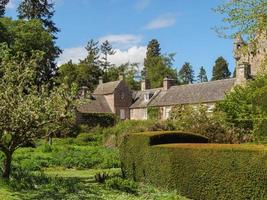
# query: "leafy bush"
[[199, 171], [213, 125], [123, 185], [246, 108], [97, 119], [153, 113]]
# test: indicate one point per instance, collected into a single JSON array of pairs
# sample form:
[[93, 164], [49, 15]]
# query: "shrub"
[[198, 171], [123, 185], [97, 119]]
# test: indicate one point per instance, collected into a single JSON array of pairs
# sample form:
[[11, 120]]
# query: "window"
[[146, 97], [122, 114], [166, 113]]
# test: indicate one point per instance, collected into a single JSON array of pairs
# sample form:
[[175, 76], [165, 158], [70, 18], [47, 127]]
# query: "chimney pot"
[[145, 85]]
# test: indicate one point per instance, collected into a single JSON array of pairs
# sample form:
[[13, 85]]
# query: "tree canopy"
[[186, 74], [220, 69], [247, 17], [202, 76], [3, 4]]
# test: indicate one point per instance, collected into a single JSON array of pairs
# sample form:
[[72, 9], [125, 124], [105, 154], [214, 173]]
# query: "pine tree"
[[38, 9], [220, 69], [186, 74], [106, 50], [3, 4], [202, 76]]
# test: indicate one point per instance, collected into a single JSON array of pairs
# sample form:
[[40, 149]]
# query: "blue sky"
[[183, 27]]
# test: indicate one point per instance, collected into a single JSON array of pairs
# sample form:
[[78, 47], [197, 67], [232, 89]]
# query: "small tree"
[[220, 69], [186, 74], [106, 50], [25, 110], [202, 76]]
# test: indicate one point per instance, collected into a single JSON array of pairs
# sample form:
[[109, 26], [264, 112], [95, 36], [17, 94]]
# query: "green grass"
[[67, 171]]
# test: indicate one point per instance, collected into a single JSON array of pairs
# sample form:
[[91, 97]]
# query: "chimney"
[[84, 92], [145, 85], [121, 76], [167, 83], [241, 73], [100, 79]]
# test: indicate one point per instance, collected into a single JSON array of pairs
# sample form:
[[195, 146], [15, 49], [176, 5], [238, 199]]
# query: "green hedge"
[[198, 171], [97, 119]]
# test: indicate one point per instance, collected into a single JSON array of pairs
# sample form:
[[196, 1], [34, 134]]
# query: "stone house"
[[115, 97], [112, 97]]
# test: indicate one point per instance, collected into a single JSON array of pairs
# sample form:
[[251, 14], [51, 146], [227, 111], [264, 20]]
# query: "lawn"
[[67, 169]]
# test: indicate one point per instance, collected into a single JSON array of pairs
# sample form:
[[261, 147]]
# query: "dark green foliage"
[[3, 4], [27, 37], [202, 76], [220, 69], [198, 171], [157, 66], [98, 119], [245, 107], [186, 74], [153, 113], [38, 9], [123, 185]]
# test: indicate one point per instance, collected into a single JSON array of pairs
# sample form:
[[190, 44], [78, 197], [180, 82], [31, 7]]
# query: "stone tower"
[[249, 56]]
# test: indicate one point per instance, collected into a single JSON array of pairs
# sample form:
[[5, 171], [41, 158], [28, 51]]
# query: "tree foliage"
[[186, 74], [220, 69], [29, 36], [38, 9], [245, 106], [3, 4], [156, 65], [243, 16], [202, 76], [106, 50], [26, 111]]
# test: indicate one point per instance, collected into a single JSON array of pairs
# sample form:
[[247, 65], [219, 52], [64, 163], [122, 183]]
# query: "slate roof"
[[98, 104], [212, 91], [106, 88], [139, 101]]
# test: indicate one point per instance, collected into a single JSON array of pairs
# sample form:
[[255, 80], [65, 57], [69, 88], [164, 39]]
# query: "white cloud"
[[135, 54], [11, 4], [74, 54], [142, 4], [122, 41], [163, 21]]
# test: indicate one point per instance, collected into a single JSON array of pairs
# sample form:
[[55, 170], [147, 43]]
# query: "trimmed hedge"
[[198, 171], [97, 119]]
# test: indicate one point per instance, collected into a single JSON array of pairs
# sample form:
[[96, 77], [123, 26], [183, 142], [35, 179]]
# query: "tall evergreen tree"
[[202, 76], [186, 74], [38, 9], [106, 50], [156, 65], [3, 4], [220, 69]]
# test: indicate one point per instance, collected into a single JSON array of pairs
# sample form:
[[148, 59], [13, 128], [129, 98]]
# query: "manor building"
[[115, 97]]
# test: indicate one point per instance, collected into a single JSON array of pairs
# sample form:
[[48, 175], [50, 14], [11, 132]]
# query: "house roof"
[[106, 88], [194, 93], [139, 101], [98, 104]]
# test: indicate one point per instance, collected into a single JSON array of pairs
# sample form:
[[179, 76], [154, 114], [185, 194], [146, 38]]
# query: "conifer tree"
[[3, 4], [38, 9], [220, 69], [106, 50], [186, 74], [202, 76]]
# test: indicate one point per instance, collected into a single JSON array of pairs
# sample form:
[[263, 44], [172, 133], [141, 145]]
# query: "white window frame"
[[122, 114]]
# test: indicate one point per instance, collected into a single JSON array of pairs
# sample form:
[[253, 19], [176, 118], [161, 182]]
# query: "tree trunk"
[[7, 165]]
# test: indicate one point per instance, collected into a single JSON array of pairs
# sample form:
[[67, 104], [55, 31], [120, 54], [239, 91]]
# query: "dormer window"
[[146, 97]]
